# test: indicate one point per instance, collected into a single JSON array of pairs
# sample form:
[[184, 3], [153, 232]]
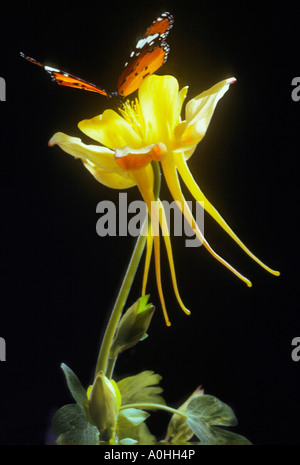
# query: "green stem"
[[110, 367], [102, 362], [150, 406], [119, 304], [105, 363]]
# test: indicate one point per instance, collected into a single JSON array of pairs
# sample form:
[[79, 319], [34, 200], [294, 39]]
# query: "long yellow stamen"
[[175, 189]]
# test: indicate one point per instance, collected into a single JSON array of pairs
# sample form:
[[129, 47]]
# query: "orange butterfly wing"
[[146, 63], [150, 53], [161, 25], [68, 80]]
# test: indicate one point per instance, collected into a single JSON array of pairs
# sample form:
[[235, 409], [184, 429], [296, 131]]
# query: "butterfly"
[[150, 53]]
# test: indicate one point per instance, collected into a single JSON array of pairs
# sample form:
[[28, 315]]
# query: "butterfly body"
[[150, 53]]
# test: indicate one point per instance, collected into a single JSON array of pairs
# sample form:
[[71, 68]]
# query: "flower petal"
[[204, 104], [111, 130], [198, 113], [128, 158], [100, 156], [108, 178], [100, 161], [160, 103]]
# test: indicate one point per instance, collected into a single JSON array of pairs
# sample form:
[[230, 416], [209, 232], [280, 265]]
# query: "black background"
[[59, 279]]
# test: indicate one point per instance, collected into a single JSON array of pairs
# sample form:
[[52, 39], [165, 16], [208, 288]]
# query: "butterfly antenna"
[[31, 60]]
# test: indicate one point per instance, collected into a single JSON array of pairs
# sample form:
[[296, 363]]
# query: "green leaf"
[[70, 422], [210, 410], [145, 437], [67, 418], [205, 411], [74, 385], [141, 388], [201, 430], [223, 436], [86, 437], [72, 426], [178, 430]]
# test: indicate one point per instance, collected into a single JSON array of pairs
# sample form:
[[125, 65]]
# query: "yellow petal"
[[100, 156], [100, 161], [109, 178], [160, 104], [204, 104], [128, 158], [198, 114], [111, 130]]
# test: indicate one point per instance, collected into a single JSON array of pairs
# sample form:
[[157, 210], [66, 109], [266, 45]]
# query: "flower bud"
[[133, 326], [104, 403]]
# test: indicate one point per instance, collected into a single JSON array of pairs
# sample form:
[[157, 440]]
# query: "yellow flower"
[[151, 129]]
